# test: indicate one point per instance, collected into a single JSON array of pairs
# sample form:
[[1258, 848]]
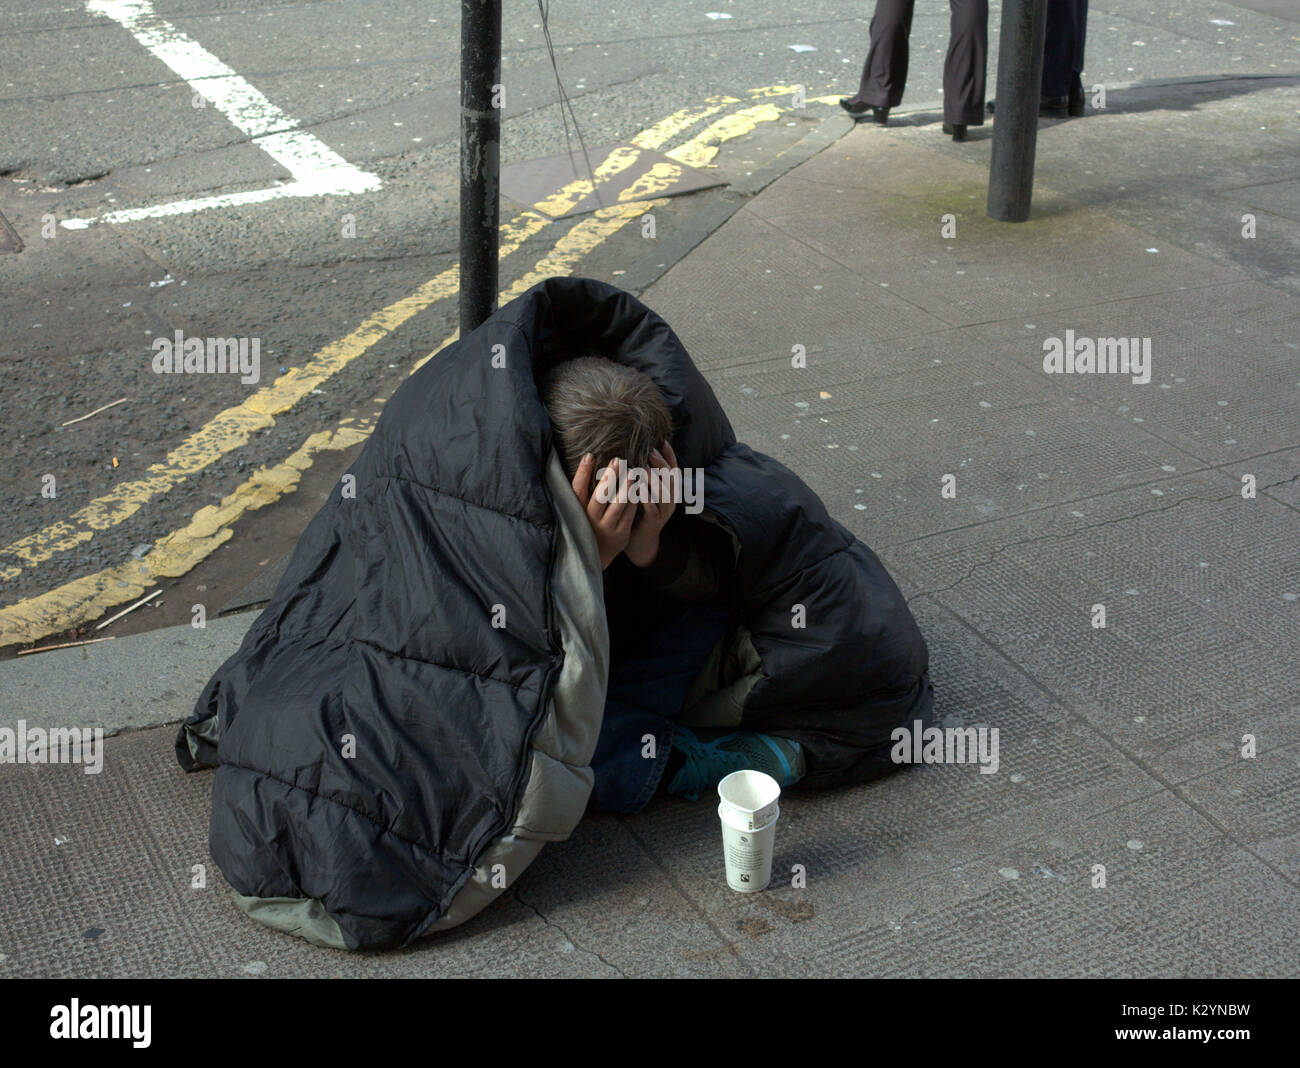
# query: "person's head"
[[607, 409]]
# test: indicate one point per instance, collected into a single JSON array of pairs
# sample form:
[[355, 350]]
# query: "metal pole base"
[[1015, 125]]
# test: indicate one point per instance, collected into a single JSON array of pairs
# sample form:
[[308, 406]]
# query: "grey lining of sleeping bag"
[[559, 779]]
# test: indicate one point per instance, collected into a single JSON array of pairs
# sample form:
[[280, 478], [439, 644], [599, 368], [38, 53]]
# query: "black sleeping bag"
[[413, 715]]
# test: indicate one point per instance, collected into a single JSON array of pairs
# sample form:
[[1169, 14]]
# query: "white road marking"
[[316, 168]]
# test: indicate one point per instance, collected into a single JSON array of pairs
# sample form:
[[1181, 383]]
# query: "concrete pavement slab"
[[1181, 899], [98, 903], [897, 194], [1199, 640], [1255, 800], [1280, 473], [1007, 452], [1224, 365], [727, 313], [133, 682]]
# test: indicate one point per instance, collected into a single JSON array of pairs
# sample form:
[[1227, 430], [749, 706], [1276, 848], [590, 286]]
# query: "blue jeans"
[[646, 691]]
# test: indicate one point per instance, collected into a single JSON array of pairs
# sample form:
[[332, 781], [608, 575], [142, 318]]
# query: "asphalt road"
[[152, 163]]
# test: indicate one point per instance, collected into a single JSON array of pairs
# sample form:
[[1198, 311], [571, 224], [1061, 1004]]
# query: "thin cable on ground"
[[544, 8]]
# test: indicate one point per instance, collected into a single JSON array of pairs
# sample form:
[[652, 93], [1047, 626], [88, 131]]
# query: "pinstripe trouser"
[[885, 72]]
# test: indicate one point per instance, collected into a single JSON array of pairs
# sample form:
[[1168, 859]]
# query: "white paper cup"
[[748, 808], [748, 853], [751, 797]]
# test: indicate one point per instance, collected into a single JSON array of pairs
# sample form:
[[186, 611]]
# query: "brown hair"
[[607, 409]]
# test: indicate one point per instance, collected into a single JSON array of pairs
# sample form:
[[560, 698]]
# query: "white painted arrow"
[[316, 168]]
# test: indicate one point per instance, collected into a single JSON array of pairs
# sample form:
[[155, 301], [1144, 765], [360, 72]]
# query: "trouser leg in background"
[[646, 690], [967, 60], [1080, 35], [885, 72], [1062, 44]]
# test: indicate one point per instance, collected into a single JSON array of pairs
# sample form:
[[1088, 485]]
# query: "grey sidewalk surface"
[[1120, 747]]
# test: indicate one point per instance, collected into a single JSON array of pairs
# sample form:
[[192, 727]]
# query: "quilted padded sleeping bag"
[[413, 715]]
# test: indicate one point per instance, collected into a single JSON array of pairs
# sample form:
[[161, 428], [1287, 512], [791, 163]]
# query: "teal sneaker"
[[712, 755]]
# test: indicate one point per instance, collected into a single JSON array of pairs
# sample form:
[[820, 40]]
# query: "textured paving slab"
[[1280, 473], [1225, 366], [942, 871], [1255, 800], [82, 899], [1200, 637], [1180, 900], [772, 270], [1073, 491], [989, 883]]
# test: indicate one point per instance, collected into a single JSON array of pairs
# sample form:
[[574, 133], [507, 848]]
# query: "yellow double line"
[[175, 554]]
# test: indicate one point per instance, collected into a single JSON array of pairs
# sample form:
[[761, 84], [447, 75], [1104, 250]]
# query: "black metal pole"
[[1015, 125], [480, 159]]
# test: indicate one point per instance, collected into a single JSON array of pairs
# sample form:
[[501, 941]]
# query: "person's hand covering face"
[[611, 522], [643, 543]]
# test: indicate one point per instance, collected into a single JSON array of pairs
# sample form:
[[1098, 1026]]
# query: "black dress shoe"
[[957, 129], [1054, 107], [861, 111], [1075, 105]]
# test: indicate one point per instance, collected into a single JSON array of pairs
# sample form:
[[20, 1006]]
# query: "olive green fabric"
[[717, 696], [302, 916]]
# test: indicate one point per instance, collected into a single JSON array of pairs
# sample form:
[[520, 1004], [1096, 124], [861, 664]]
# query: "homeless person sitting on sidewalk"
[[465, 651], [669, 589]]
